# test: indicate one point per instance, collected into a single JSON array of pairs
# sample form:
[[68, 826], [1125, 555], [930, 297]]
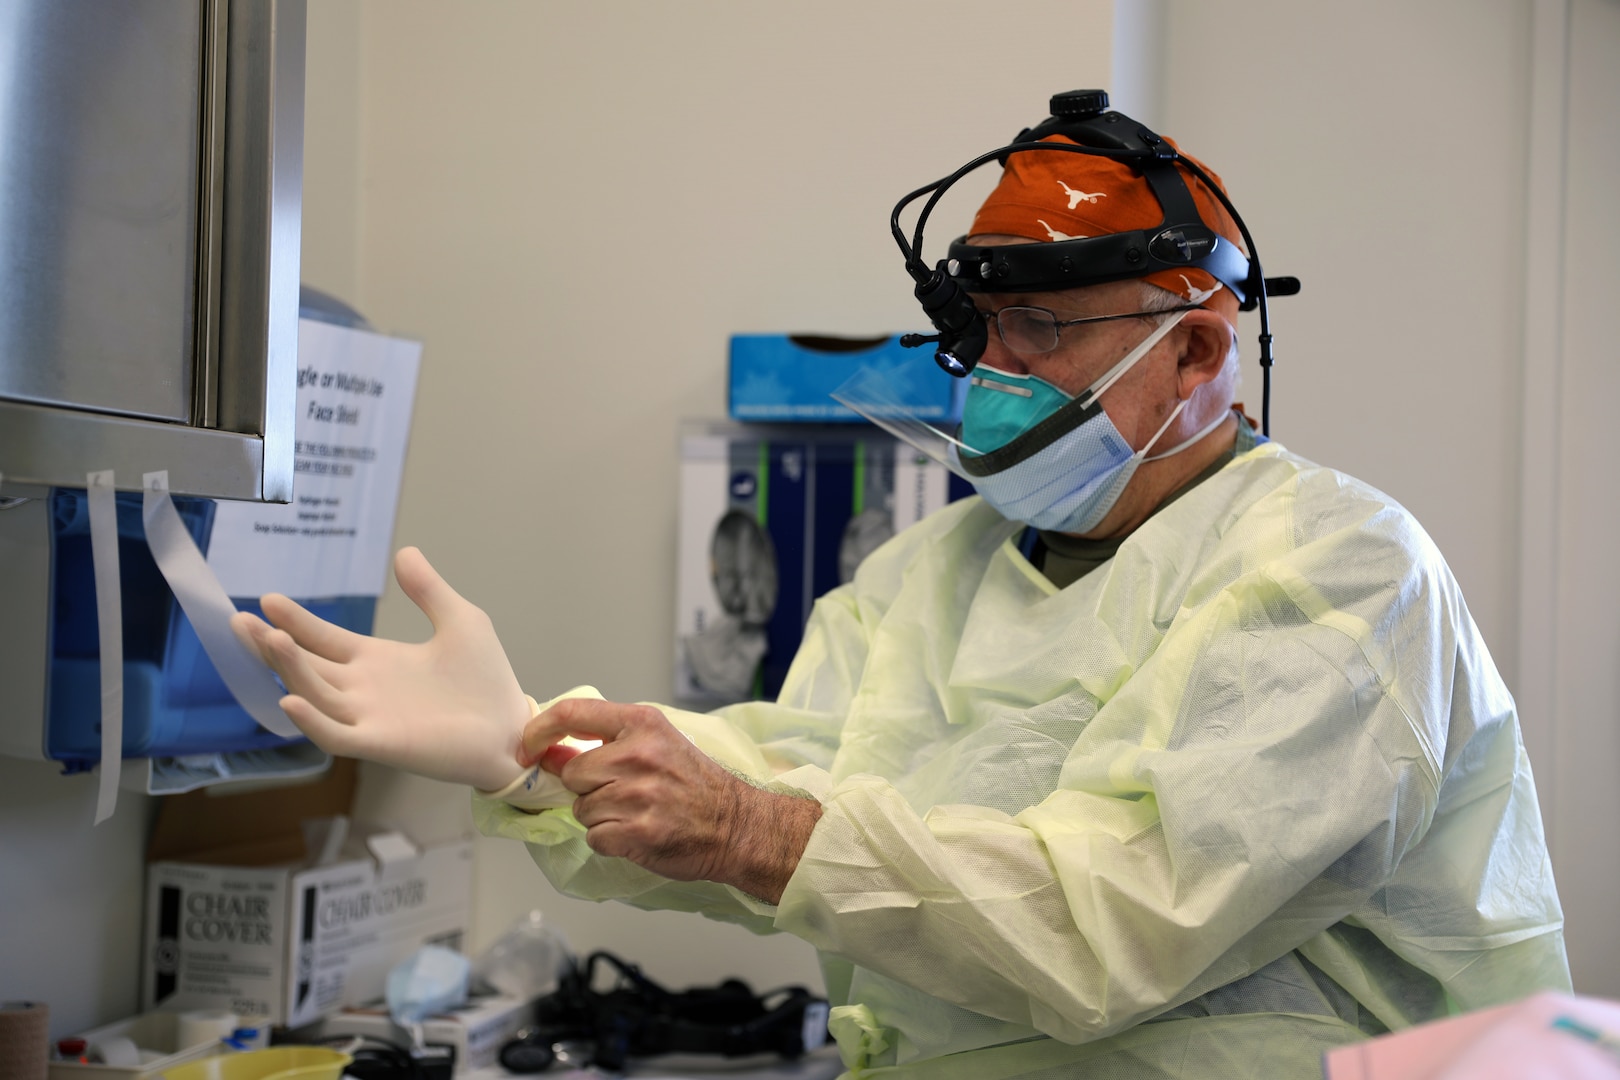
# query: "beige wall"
[[70, 895], [331, 233], [573, 205], [1574, 369]]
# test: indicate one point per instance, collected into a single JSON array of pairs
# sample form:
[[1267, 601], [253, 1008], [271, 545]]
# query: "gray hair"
[[1157, 298]]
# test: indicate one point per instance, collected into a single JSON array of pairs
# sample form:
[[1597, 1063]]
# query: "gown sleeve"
[[784, 746]]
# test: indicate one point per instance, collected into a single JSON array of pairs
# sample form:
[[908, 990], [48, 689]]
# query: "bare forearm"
[[771, 833]]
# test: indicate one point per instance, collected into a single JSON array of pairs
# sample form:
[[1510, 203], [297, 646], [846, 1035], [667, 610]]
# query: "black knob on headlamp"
[[962, 333], [1079, 104]]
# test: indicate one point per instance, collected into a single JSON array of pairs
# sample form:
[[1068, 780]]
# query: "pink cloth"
[[1509, 1042]]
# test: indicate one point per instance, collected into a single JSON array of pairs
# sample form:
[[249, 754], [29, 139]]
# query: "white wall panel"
[[70, 895], [1584, 788]]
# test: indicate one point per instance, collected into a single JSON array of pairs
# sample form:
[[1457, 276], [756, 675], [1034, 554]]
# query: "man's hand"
[[648, 795], [449, 708]]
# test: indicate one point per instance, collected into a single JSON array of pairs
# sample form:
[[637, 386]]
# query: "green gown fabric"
[[1250, 790]]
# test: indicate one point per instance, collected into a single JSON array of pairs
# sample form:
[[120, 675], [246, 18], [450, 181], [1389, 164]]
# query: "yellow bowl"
[[276, 1063]]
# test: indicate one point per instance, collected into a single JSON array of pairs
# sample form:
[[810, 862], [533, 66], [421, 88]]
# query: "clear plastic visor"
[[887, 397]]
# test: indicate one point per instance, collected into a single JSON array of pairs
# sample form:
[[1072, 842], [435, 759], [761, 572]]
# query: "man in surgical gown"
[[1225, 780]]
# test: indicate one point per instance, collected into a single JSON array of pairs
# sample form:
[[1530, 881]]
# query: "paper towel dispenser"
[[150, 198], [180, 720]]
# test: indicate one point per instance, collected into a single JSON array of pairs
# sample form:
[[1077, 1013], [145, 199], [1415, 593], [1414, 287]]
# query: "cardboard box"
[[476, 1032], [239, 917], [791, 377]]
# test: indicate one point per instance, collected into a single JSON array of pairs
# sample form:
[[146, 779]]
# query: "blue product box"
[[175, 703], [791, 377]]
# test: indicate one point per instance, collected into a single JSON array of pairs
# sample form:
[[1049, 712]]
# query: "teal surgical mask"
[[1065, 475], [1001, 406]]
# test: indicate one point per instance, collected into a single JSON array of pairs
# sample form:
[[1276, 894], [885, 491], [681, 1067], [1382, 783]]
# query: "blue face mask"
[[1060, 464]]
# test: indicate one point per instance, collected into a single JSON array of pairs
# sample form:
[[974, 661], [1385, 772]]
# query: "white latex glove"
[[535, 789], [449, 708]]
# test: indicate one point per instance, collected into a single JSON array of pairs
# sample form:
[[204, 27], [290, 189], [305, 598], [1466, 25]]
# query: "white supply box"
[[477, 1030], [157, 1037], [290, 944]]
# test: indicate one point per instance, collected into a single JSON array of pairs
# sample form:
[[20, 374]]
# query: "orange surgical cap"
[[1067, 196]]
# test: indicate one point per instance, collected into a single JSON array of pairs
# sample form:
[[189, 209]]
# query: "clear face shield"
[[886, 397]]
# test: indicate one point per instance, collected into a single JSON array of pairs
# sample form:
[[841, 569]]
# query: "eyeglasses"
[[1032, 330]]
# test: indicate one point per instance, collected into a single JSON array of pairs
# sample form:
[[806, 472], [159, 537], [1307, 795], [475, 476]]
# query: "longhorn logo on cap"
[[1078, 197]]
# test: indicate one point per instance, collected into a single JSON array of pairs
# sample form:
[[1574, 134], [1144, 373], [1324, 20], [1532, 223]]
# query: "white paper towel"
[[119, 1050], [204, 601], [101, 497]]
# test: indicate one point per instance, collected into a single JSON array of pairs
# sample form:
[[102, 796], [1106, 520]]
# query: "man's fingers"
[[587, 717], [553, 758], [322, 730], [309, 630], [635, 768], [618, 838], [299, 672], [594, 810], [250, 631], [426, 589], [332, 674]]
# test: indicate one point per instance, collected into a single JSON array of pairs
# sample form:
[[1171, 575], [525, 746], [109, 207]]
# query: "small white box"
[[155, 1033], [477, 1031], [291, 944]]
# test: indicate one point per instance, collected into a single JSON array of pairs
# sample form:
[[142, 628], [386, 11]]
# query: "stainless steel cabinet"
[[150, 190]]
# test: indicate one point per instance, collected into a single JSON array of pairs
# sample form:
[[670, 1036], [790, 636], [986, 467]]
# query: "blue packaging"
[[175, 703], [791, 377]]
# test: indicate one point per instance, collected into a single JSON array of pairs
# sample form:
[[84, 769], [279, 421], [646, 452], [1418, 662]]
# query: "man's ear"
[[1209, 339]]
